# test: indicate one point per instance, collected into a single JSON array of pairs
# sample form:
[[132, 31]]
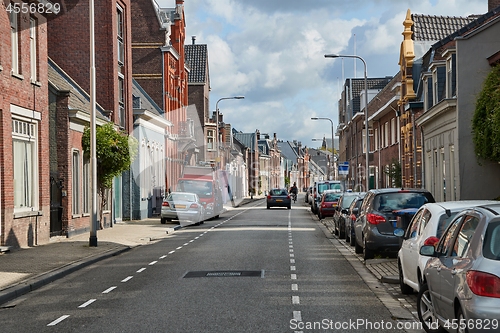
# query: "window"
[[86, 185], [14, 39], [121, 61], [33, 50], [210, 139], [464, 236], [75, 203], [445, 244], [25, 164], [376, 139], [394, 137], [386, 134], [451, 77]]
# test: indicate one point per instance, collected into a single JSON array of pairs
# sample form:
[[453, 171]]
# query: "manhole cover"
[[197, 274]]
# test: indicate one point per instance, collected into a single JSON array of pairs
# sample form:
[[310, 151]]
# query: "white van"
[[318, 189]]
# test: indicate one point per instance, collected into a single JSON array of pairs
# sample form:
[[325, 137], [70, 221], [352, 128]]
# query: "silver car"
[[430, 220], [461, 290], [182, 206]]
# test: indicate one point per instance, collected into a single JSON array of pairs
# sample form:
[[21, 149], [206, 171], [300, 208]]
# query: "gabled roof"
[[141, 100], [247, 139], [79, 99], [434, 28], [289, 152], [197, 59], [358, 85]]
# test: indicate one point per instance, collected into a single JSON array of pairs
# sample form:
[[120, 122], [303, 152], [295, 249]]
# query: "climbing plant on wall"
[[486, 119]]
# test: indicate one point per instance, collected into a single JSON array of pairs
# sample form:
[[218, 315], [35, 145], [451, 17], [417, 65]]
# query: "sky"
[[272, 52]]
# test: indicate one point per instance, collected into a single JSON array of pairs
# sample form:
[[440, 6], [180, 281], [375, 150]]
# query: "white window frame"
[[33, 50], [393, 131], [14, 40], [386, 134], [25, 176], [210, 139], [75, 182], [86, 185]]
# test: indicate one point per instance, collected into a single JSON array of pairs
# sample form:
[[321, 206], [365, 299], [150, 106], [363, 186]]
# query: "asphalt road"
[[252, 270]]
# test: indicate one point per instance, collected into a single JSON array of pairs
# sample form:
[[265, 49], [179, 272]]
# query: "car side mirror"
[[428, 251], [398, 232]]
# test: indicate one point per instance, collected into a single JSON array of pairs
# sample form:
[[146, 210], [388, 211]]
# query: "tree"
[[115, 151], [486, 119]]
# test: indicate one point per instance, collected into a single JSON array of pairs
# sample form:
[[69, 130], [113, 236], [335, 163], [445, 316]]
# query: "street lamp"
[[333, 152], [217, 120], [367, 138], [93, 157]]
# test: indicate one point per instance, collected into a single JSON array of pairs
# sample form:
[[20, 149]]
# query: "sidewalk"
[[27, 269]]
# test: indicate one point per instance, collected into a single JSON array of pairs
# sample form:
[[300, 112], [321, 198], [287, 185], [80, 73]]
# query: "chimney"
[[193, 38], [492, 4], [258, 134]]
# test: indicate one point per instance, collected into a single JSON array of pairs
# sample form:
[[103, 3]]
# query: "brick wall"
[[492, 4], [27, 229]]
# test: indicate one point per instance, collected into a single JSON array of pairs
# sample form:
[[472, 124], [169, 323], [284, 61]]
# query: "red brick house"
[[159, 67], [69, 51], [24, 142]]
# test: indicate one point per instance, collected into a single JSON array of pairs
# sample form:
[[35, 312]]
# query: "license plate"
[[279, 200], [180, 206]]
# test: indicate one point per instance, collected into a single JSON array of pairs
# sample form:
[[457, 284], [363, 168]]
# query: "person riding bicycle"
[[294, 190]]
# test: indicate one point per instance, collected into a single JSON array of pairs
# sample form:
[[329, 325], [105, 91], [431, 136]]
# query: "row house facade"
[[69, 52], [420, 122], [451, 77], [159, 67], [351, 131], [24, 118]]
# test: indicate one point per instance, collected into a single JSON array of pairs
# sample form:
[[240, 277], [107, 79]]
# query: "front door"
[[56, 186]]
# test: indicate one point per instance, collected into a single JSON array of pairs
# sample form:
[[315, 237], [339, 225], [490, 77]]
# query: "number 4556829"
[[33, 8], [472, 324]]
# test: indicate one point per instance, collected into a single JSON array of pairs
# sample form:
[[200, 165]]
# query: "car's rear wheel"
[[352, 240], [341, 232], [461, 319], [357, 248], [163, 220], [320, 216], [425, 311], [289, 207], [405, 289], [268, 207], [367, 253]]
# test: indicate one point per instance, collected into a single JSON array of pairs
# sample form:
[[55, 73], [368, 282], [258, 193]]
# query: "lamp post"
[[367, 138], [333, 152], [217, 121], [93, 158]]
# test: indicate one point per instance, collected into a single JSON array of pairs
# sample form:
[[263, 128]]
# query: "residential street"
[[251, 270]]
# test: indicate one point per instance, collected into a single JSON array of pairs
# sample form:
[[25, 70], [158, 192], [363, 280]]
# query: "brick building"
[[69, 50], [24, 142], [159, 68]]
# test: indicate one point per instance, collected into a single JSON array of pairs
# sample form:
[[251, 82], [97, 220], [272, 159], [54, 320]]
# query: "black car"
[[352, 215], [378, 216], [340, 215], [279, 197]]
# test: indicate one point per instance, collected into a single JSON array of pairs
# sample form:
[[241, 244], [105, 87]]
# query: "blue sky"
[[272, 52]]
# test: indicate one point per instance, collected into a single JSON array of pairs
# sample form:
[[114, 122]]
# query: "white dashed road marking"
[[58, 320], [127, 278], [90, 301], [109, 290]]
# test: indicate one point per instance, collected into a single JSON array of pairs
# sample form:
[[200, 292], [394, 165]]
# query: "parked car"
[[462, 277], [182, 206], [341, 213], [430, 220], [319, 187], [328, 204], [352, 215], [374, 227], [279, 197]]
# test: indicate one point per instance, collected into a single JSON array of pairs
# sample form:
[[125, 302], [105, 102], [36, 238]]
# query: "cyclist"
[[294, 190]]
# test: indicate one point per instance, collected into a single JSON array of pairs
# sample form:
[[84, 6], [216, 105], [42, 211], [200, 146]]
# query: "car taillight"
[[165, 204], [288, 196], [374, 218], [433, 240], [194, 205], [269, 197], [483, 284]]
